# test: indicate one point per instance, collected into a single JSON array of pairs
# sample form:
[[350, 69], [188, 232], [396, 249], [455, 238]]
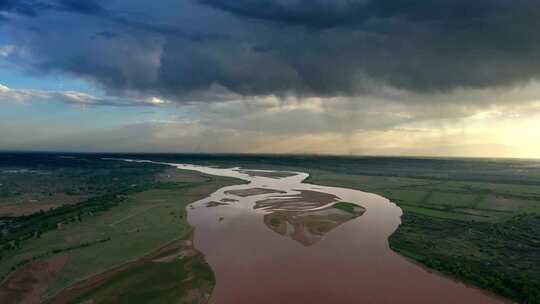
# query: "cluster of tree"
[[501, 256], [487, 277]]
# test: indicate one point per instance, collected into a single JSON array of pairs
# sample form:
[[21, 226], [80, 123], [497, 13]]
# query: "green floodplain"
[[130, 214], [474, 219]]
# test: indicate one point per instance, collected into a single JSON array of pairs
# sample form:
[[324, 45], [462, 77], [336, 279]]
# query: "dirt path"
[[134, 215]]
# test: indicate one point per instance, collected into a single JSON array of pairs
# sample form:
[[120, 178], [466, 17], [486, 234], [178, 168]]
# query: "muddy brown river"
[[279, 240]]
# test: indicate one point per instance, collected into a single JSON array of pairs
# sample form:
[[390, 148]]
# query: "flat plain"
[[477, 220], [50, 251]]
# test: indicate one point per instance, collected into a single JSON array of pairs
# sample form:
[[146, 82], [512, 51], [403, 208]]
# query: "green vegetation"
[[145, 222], [487, 234], [30, 183], [155, 283], [125, 224], [502, 256], [274, 221], [347, 207]]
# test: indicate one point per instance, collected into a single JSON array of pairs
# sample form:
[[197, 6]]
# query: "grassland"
[[174, 274], [101, 233]]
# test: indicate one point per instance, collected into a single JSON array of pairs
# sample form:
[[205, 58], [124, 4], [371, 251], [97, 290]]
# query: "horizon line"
[[8, 151]]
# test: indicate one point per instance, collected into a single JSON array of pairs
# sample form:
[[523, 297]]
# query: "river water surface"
[[279, 240]]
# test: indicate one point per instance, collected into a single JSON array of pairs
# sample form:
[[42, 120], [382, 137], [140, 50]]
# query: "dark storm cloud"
[[105, 35], [34, 7], [315, 13], [90, 7], [331, 13], [181, 49], [417, 45], [23, 7]]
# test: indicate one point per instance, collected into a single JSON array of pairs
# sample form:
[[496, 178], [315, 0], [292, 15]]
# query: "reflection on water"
[[299, 244]]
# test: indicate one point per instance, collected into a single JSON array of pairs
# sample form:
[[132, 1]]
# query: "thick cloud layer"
[[334, 13], [206, 50], [35, 7]]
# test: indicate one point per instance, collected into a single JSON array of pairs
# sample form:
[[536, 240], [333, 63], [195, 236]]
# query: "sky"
[[354, 77]]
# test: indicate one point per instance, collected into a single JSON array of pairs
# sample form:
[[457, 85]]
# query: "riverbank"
[[140, 224], [324, 249], [494, 250], [485, 212], [175, 273]]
